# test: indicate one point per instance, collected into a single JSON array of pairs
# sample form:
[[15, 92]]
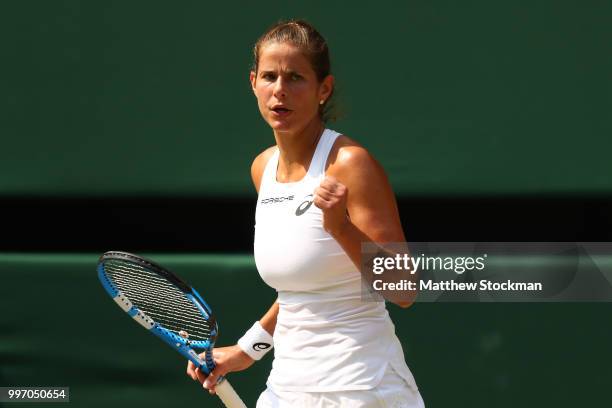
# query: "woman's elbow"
[[404, 304]]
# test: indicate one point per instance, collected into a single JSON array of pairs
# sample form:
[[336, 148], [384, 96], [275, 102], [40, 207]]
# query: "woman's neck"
[[296, 149]]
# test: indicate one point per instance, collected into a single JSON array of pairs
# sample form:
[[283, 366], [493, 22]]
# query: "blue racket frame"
[[188, 348]]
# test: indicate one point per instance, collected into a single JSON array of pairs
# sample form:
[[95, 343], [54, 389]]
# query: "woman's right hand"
[[227, 360]]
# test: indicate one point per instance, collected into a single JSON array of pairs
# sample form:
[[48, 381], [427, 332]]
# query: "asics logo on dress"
[[305, 205], [273, 200]]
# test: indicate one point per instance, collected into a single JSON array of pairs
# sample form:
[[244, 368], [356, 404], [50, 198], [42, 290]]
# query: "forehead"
[[284, 56]]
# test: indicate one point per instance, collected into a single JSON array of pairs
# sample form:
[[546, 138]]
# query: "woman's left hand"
[[331, 197]]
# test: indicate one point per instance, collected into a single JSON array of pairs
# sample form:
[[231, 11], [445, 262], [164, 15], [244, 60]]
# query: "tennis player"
[[321, 195]]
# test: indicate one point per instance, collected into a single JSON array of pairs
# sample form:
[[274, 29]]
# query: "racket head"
[[162, 303]]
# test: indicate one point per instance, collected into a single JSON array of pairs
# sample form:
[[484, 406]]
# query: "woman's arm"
[[268, 321], [357, 185], [232, 358]]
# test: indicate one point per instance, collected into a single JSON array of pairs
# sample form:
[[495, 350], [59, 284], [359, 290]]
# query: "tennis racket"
[[166, 306]]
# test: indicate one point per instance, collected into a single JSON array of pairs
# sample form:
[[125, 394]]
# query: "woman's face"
[[287, 89]]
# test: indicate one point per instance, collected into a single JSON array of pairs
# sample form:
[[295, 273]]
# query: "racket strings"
[[158, 298], [162, 309]]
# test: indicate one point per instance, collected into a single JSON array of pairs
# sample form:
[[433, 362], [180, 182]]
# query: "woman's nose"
[[279, 87]]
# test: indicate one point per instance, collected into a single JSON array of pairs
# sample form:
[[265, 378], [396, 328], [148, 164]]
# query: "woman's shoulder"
[[346, 155], [259, 164], [263, 157]]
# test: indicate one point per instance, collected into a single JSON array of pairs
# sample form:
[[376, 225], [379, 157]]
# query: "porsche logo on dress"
[[274, 200]]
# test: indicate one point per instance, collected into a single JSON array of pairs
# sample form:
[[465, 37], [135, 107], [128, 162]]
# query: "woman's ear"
[[253, 80], [326, 88]]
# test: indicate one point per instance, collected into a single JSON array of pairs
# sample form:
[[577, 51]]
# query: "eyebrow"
[[292, 72]]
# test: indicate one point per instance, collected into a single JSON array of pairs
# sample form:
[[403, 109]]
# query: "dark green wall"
[[68, 332], [152, 97]]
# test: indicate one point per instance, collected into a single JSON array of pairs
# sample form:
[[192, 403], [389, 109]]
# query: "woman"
[[332, 348]]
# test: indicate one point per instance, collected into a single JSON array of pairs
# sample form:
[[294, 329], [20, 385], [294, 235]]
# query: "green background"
[[152, 97], [462, 355]]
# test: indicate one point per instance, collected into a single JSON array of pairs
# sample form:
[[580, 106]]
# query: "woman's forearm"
[[350, 239], [268, 321]]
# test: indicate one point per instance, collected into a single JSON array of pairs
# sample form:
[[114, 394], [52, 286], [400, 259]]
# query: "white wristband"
[[256, 342]]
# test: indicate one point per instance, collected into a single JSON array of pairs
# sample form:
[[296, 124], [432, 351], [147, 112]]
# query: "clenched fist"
[[331, 198]]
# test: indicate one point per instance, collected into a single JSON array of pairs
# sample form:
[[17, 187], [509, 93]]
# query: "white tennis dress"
[[327, 339]]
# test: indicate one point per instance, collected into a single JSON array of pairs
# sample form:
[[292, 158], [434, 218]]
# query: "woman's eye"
[[295, 77]]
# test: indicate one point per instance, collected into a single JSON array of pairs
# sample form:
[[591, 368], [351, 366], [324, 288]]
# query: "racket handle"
[[227, 394]]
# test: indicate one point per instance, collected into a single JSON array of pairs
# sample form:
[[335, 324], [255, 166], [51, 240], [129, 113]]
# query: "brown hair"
[[305, 37]]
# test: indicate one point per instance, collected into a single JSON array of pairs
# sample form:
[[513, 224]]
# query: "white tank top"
[[326, 338]]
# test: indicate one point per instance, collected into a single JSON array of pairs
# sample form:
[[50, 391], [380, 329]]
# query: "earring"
[[322, 101]]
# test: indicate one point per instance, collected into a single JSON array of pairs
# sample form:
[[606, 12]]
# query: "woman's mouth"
[[281, 111]]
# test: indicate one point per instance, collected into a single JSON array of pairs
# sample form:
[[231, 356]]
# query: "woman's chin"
[[281, 125]]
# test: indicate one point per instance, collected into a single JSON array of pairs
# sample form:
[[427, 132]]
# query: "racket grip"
[[228, 396]]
